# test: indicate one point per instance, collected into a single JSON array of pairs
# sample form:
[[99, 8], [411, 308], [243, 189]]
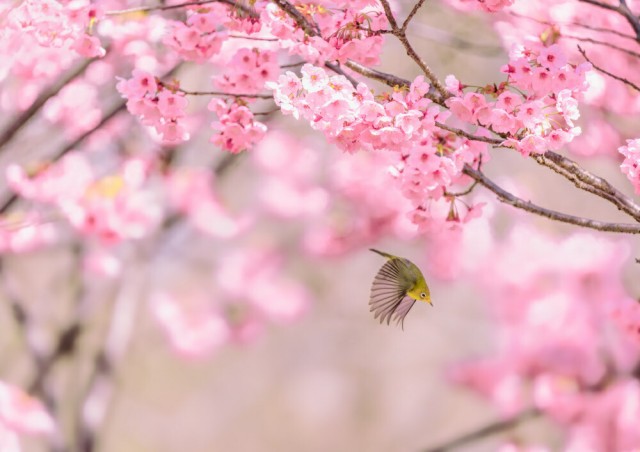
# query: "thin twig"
[[253, 38], [613, 76], [528, 206], [463, 192], [146, 9], [602, 43], [569, 169], [299, 63], [623, 10], [487, 430], [625, 203], [402, 37], [412, 13], [388, 79], [221, 93], [575, 24]]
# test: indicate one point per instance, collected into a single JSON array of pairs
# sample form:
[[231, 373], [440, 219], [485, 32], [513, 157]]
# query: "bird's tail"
[[383, 254]]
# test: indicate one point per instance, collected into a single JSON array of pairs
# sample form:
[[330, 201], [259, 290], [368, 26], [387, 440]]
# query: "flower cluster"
[[629, 166], [24, 232], [156, 105], [491, 6], [427, 160], [54, 24], [198, 39], [190, 192], [249, 70], [21, 414], [236, 128], [533, 123], [252, 293], [113, 208], [289, 189], [344, 33], [562, 335]]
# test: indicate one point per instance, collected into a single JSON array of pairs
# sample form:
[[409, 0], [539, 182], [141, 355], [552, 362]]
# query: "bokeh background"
[[335, 380]]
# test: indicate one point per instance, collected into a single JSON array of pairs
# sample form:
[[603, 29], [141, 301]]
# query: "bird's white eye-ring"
[[423, 295]]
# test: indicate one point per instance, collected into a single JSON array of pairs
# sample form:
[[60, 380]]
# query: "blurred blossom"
[[559, 305], [21, 413], [191, 323]]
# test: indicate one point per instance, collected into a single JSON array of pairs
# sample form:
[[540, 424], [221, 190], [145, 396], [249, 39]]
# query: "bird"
[[395, 289]]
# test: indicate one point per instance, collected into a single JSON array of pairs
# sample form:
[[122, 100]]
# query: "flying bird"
[[396, 288]]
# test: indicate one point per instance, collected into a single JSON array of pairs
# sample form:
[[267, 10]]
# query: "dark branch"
[[15, 125], [623, 10], [147, 9], [108, 115], [487, 430], [221, 93], [401, 34], [613, 76], [528, 206], [412, 13]]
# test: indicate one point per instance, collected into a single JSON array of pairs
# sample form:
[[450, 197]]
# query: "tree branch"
[[528, 206], [613, 76], [412, 13], [221, 93], [623, 10], [146, 9], [401, 34], [570, 170], [14, 126], [487, 430], [107, 116], [603, 188]]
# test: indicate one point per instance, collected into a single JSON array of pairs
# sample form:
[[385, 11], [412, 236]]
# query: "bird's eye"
[[423, 295]]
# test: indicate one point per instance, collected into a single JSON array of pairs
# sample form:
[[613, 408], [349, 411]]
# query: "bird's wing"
[[402, 309], [388, 291]]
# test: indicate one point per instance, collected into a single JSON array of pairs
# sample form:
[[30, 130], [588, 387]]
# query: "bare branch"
[[107, 116], [569, 169], [401, 34], [253, 38], [528, 206], [575, 24], [602, 43], [221, 93], [487, 430], [613, 76], [390, 17], [12, 128], [146, 9], [623, 10], [297, 16], [603, 186], [412, 13], [388, 79]]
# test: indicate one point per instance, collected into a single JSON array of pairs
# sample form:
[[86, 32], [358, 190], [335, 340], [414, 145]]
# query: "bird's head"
[[421, 292]]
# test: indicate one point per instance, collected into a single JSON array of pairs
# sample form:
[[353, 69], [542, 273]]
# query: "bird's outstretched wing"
[[389, 293]]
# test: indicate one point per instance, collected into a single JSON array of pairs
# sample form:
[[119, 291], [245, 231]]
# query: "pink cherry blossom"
[[631, 152], [22, 413], [236, 128]]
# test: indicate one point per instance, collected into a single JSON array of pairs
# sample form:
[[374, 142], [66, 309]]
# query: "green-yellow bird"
[[396, 287]]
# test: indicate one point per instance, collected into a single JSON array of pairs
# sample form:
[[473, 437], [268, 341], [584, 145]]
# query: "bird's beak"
[[429, 301]]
